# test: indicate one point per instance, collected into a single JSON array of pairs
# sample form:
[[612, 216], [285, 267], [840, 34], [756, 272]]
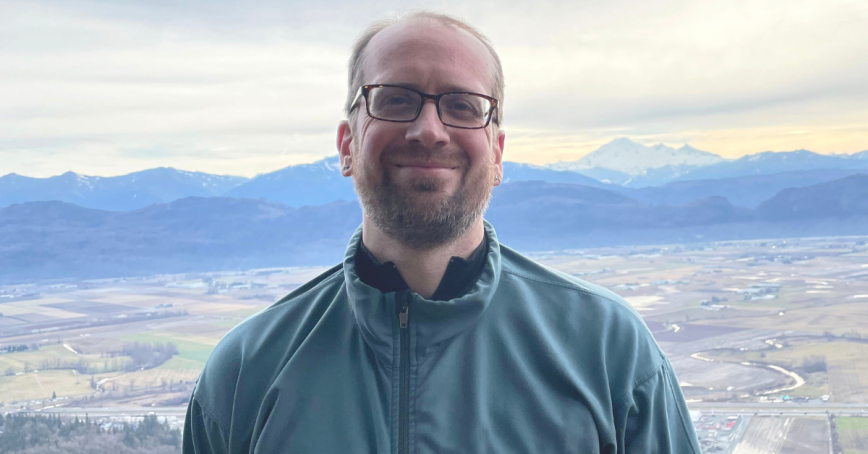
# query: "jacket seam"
[[569, 286], [207, 412], [556, 283], [683, 423], [641, 380]]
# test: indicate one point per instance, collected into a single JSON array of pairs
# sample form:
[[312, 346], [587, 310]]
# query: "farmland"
[[767, 435], [746, 321], [83, 324], [854, 434]]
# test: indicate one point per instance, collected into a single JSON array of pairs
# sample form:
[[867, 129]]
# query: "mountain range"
[[631, 164], [120, 193], [747, 191], [654, 175], [770, 162], [300, 185], [306, 184], [46, 240]]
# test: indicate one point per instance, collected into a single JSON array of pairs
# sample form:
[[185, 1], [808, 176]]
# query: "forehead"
[[430, 57]]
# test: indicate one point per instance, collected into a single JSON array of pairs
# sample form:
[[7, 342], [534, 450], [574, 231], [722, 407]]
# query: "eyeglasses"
[[402, 105]]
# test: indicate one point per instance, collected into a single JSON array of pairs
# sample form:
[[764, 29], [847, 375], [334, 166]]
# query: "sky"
[[242, 88]]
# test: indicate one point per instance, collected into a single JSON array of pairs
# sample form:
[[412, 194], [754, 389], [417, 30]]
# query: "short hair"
[[357, 59]]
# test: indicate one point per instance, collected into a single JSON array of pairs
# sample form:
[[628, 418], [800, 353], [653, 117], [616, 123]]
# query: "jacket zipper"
[[404, 378]]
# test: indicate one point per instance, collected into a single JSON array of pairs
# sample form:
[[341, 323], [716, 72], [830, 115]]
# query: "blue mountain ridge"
[[320, 182], [120, 193], [746, 191], [50, 240], [299, 185], [745, 182], [771, 162]]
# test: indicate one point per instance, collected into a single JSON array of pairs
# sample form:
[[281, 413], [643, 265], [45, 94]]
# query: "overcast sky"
[[111, 87]]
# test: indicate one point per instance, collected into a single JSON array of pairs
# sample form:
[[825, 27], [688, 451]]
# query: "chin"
[[424, 185]]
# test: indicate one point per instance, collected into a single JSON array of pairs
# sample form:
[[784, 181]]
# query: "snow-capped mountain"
[[860, 155], [120, 193], [771, 162], [316, 183], [626, 156]]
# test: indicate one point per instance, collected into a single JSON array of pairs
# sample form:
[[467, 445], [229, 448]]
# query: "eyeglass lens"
[[400, 104]]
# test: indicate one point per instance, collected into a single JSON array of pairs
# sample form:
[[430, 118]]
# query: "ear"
[[345, 139], [497, 149]]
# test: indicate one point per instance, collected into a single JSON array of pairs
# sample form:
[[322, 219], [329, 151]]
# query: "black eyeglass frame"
[[364, 90]]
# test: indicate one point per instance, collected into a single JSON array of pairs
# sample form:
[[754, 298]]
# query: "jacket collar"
[[385, 277], [431, 322]]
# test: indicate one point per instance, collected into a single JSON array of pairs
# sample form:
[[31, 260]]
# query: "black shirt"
[[459, 275]]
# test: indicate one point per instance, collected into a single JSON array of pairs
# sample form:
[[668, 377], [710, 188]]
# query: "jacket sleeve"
[[654, 417], [202, 432]]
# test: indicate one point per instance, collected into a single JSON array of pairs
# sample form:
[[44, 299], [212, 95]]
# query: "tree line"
[[130, 357], [145, 355], [31, 434]]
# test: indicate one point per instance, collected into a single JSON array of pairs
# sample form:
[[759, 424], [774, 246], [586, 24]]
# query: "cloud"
[[248, 87]]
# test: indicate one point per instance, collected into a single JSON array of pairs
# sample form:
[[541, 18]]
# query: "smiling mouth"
[[427, 166]]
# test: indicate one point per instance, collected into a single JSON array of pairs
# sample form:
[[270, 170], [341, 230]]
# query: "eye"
[[396, 100], [462, 106]]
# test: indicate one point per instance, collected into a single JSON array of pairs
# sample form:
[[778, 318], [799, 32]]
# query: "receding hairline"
[[384, 44], [360, 52]]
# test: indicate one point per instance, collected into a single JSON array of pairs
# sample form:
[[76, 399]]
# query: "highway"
[[777, 408]]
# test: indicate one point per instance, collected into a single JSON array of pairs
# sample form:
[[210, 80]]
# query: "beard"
[[419, 213]]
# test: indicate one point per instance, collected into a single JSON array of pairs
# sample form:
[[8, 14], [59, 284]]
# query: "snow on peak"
[[632, 158], [781, 156]]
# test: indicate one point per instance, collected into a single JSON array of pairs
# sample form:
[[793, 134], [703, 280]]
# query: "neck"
[[422, 270]]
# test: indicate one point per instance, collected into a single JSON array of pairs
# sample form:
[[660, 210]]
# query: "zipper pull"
[[404, 315]]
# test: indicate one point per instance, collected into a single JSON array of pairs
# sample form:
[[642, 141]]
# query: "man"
[[431, 336]]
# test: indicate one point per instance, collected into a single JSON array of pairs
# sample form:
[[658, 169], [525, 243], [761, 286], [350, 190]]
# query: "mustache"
[[416, 155]]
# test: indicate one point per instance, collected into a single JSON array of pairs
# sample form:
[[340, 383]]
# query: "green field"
[[854, 434], [52, 353], [40, 385], [34, 359], [190, 347]]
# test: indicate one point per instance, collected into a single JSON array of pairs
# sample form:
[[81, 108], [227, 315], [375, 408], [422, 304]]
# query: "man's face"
[[423, 183]]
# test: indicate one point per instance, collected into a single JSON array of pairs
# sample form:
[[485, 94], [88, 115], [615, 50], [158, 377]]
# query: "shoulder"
[[549, 281], [594, 324], [250, 354]]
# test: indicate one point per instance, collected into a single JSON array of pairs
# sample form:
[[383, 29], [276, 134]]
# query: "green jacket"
[[529, 360]]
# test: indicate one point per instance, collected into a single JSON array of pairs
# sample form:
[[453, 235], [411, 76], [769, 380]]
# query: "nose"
[[427, 129]]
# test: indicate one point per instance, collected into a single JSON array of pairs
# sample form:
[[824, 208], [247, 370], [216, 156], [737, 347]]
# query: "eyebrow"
[[446, 88]]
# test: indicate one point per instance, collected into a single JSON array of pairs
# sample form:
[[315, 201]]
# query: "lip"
[[426, 165]]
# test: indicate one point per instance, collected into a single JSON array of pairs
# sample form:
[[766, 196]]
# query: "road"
[[787, 409]]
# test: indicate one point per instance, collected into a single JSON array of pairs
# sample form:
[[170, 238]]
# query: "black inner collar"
[[459, 275]]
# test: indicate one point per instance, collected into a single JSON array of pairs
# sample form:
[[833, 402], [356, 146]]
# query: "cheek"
[[375, 136], [480, 150]]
